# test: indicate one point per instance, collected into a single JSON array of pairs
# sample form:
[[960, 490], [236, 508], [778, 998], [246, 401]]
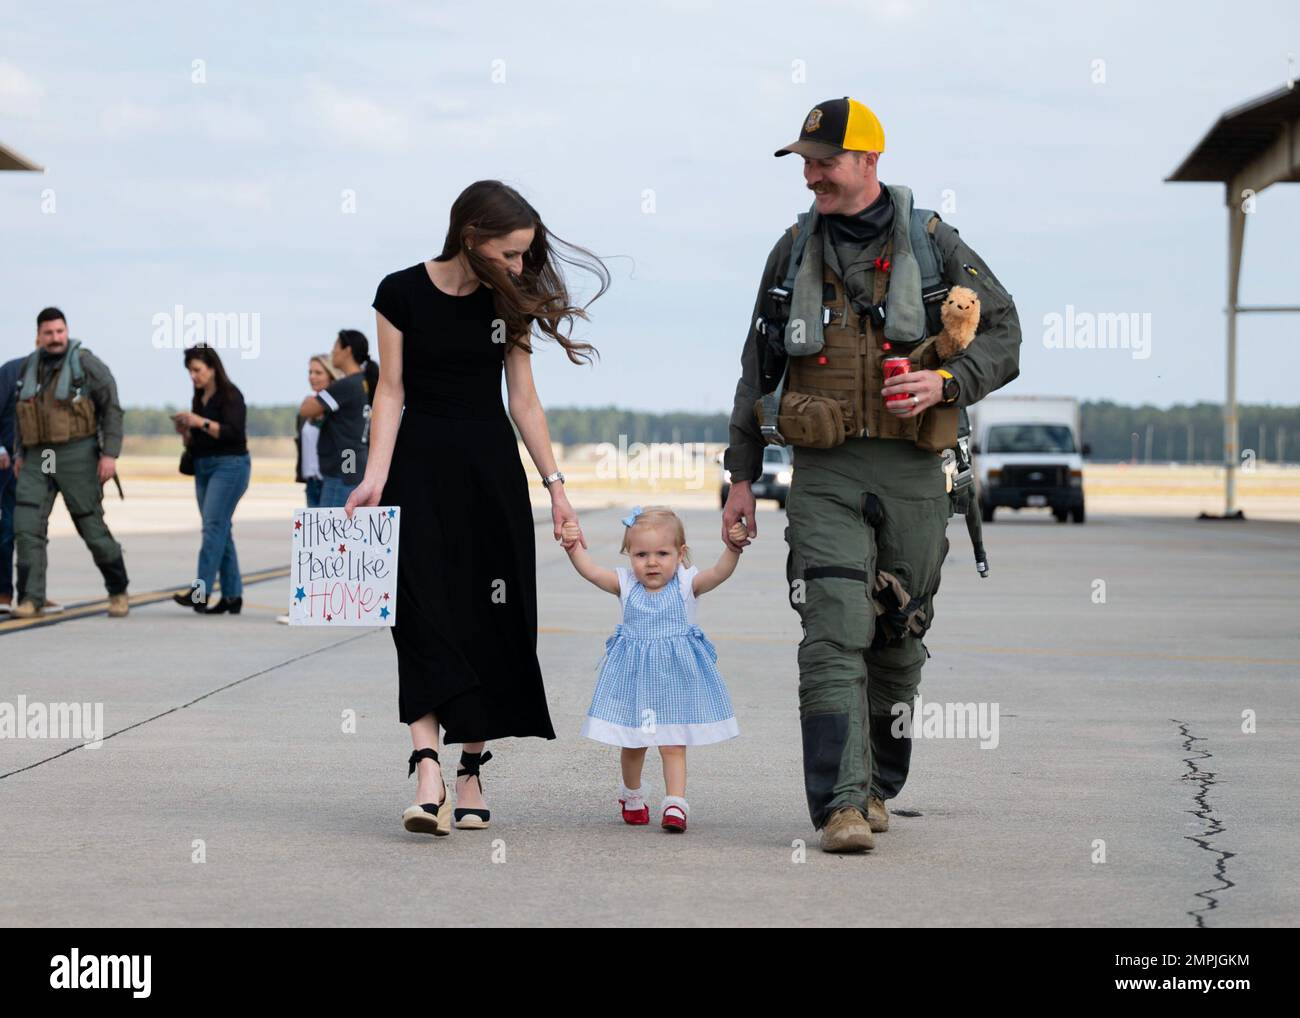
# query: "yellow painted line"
[[90, 608]]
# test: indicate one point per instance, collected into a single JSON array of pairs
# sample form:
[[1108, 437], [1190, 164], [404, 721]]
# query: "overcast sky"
[[278, 161]]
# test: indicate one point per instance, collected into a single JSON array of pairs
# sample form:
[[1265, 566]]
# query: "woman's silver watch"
[[550, 479]]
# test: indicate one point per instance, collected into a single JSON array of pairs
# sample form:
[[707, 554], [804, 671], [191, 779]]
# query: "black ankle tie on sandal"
[[416, 757], [421, 754], [470, 763]]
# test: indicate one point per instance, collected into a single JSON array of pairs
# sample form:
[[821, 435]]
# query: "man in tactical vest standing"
[[869, 505], [69, 438]]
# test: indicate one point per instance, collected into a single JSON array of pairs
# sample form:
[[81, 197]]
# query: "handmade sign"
[[343, 572]]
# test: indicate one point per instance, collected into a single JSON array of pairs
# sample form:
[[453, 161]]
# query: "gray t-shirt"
[[345, 431]]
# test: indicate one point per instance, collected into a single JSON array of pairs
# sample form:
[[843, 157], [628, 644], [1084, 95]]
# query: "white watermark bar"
[[37, 720]]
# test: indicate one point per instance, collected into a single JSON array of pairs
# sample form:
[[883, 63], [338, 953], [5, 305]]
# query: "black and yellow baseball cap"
[[835, 126]]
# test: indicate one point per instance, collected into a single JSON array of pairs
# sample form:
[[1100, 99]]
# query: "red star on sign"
[[385, 597], [329, 618], [297, 524], [341, 548]]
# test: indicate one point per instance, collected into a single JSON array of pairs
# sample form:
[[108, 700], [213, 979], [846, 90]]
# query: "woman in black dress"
[[466, 625]]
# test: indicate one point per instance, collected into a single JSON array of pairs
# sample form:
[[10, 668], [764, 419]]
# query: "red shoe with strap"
[[635, 817], [674, 811]]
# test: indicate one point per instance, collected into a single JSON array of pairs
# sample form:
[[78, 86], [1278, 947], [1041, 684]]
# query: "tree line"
[[1182, 434]]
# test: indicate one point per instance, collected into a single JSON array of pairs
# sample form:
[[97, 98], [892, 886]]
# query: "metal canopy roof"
[[11, 160], [1242, 135], [1253, 146]]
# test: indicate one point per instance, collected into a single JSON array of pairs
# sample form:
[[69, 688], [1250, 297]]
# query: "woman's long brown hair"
[[488, 209]]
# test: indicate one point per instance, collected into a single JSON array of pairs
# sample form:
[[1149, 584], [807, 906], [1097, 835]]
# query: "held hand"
[[925, 386], [562, 516], [367, 493], [107, 468], [738, 533], [739, 509], [18, 468], [4, 461]]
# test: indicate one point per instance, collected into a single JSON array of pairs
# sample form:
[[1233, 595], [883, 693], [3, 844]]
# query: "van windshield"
[[1030, 438]]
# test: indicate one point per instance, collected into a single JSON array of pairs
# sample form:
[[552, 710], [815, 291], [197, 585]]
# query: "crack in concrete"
[[1214, 826], [203, 696]]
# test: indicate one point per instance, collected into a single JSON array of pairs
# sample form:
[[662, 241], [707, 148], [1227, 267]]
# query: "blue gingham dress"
[[658, 683]]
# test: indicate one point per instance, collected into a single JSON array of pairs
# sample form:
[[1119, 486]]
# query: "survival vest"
[[56, 413], [833, 394]]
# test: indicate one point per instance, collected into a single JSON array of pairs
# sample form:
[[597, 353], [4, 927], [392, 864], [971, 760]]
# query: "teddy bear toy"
[[960, 315]]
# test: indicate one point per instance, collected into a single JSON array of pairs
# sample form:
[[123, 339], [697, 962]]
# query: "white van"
[[1028, 454]]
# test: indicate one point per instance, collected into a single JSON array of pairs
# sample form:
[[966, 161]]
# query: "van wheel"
[[986, 512], [1061, 515], [1077, 514]]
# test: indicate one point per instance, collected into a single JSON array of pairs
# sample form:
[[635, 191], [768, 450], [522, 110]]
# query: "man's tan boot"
[[26, 610], [877, 814], [847, 831], [118, 605]]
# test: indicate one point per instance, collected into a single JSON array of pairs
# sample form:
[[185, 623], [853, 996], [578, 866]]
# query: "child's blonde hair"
[[657, 516]]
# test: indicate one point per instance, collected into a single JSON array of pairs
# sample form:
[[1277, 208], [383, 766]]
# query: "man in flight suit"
[[867, 515], [69, 438]]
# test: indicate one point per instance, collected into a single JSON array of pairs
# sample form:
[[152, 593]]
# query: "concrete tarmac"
[[229, 794]]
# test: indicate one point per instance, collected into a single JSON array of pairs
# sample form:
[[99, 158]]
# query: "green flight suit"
[[71, 469], [867, 505]]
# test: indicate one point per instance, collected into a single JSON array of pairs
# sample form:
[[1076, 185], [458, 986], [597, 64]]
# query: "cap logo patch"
[[813, 122]]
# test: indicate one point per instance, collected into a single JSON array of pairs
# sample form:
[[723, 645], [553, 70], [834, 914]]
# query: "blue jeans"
[[313, 492], [8, 486], [334, 492], [219, 483]]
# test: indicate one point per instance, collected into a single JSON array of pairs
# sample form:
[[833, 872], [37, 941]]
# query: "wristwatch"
[[550, 479], [951, 389]]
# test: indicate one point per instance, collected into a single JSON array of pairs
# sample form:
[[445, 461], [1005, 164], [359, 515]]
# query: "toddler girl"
[[658, 683]]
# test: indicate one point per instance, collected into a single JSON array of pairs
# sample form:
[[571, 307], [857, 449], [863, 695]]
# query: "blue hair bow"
[[629, 520]]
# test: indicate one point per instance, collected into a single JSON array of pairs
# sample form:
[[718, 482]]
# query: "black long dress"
[[466, 626]]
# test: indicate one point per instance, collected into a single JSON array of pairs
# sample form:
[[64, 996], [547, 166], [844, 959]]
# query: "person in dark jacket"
[[213, 430], [343, 408], [10, 375]]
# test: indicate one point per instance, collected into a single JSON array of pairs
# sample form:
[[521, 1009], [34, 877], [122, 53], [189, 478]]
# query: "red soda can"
[[896, 366]]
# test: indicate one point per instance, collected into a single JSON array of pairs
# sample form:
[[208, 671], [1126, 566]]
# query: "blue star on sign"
[[392, 513], [299, 594], [383, 612]]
